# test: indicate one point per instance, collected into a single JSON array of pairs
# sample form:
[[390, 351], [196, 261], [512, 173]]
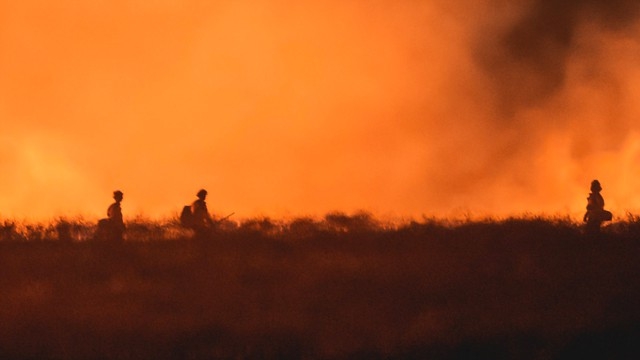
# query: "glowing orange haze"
[[287, 108]]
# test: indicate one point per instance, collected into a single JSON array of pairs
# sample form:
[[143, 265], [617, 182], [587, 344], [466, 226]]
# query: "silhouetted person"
[[596, 214], [201, 219], [114, 217]]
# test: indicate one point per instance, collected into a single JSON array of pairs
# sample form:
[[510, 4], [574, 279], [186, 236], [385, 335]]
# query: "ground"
[[336, 288]]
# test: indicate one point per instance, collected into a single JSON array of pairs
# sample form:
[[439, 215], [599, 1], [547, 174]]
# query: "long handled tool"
[[224, 218]]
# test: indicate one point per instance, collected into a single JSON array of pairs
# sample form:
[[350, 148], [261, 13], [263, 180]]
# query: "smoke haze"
[[284, 108]]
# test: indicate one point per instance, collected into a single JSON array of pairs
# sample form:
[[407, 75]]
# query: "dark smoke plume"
[[526, 61]]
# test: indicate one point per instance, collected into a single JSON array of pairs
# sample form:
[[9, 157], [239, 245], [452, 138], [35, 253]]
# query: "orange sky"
[[286, 108]]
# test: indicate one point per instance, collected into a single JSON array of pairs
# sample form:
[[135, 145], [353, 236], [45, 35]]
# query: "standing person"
[[596, 214], [114, 216], [201, 219]]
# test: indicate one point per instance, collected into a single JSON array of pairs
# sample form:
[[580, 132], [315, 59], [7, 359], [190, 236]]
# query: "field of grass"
[[340, 287]]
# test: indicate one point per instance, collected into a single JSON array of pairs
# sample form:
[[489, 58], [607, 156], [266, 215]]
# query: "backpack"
[[186, 217]]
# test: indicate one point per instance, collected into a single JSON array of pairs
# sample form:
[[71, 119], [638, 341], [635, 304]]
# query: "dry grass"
[[339, 287]]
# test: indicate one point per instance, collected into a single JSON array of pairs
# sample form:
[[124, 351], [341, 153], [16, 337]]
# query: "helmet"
[[117, 194], [595, 185], [202, 193]]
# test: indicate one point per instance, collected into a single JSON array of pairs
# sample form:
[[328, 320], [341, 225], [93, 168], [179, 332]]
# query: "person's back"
[[114, 213]]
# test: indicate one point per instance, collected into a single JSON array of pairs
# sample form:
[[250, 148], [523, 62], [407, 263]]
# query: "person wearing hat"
[[201, 219], [114, 216], [596, 214]]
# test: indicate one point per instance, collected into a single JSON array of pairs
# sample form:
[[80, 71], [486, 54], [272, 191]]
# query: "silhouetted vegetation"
[[344, 286]]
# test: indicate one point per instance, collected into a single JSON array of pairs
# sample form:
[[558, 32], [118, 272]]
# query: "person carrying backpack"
[[596, 214], [114, 215], [112, 227], [197, 216]]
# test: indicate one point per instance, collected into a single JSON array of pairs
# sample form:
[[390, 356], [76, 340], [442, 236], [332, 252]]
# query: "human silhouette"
[[200, 218], [114, 217], [596, 214]]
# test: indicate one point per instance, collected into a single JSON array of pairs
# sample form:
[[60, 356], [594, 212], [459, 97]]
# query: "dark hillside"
[[340, 287]]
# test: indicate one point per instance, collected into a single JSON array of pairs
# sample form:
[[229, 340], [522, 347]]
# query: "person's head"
[[117, 195], [595, 186], [202, 194]]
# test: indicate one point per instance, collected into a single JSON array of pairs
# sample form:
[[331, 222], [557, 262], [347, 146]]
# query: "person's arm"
[[207, 215]]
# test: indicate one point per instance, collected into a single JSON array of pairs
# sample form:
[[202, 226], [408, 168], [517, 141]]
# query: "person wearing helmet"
[[201, 219], [114, 216], [596, 214]]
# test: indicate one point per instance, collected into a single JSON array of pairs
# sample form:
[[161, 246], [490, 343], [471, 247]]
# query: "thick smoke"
[[559, 78], [283, 107], [527, 59]]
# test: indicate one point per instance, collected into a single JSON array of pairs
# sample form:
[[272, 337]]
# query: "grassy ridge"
[[340, 287]]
